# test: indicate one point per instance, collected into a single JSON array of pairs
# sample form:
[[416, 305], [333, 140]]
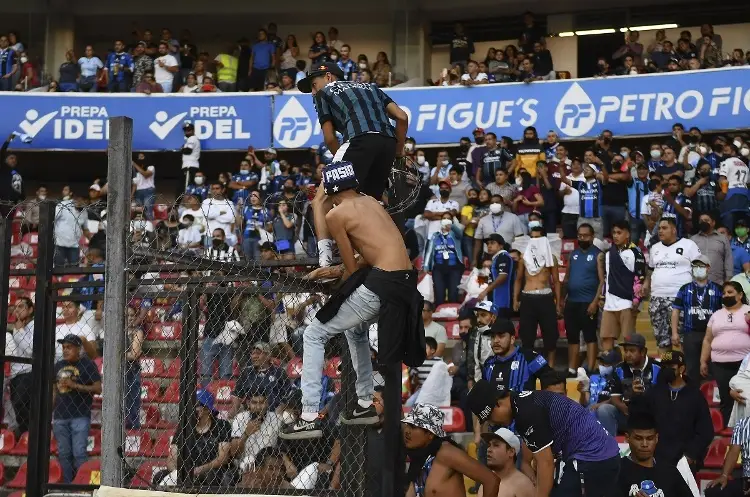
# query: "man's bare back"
[[444, 480], [371, 232]]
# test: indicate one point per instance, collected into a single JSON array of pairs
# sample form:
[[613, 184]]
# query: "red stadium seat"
[[99, 361], [711, 393], [137, 443], [19, 481], [149, 391], [173, 370], [161, 212], [29, 284], [161, 445], [94, 443], [31, 238], [222, 390], [21, 447], [89, 473], [17, 493], [165, 331], [150, 418], [171, 393], [145, 475], [716, 452], [151, 367], [294, 368], [332, 368], [561, 332], [454, 419], [7, 440], [16, 282], [451, 329]]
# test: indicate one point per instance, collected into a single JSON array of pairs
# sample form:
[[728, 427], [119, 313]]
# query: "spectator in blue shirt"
[[8, 64], [263, 58], [655, 161], [598, 389], [120, 66], [243, 183], [347, 65], [198, 187], [319, 50], [256, 217], [444, 258], [90, 66]]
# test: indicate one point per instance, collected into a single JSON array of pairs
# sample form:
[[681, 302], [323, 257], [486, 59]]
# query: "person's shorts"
[[577, 320], [616, 323], [372, 156], [660, 311]]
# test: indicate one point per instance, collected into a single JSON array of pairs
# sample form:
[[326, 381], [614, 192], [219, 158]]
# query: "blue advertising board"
[[67, 121], [629, 105]]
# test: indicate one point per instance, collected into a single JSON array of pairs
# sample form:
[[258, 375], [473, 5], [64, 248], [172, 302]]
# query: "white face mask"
[[24, 60], [334, 57], [446, 163], [420, 159], [655, 154], [605, 370], [737, 143], [496, 209], [535, 224], [702, 150], [199, 180], [244, 171], [744, 151], [363, 65], [624, 154], [408, 147], [519, 181], [104, 224], [700, 273], [446, 223], [288, 418], [42, 197], [482, 329]]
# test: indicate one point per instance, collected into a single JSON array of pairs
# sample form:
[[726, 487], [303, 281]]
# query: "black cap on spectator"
[[305, 85]]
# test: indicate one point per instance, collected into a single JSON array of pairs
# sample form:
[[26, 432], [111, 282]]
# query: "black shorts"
[[538, 311], [577, 320], [372, 156]]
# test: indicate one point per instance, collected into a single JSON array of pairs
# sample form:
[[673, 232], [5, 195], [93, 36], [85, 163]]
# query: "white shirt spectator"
[[735, 171], [225, 254], [480, 77], [20, 343], [189, 235], [69, 224], [613, 302], [571, 200], [436, 331], [191, 160], [436, 205], [89, 66], [141, 225], [161, 75], [143, 183], [672, 266], [79, 329], [507, 225], [219, 214], [198, 215], [266, 436]]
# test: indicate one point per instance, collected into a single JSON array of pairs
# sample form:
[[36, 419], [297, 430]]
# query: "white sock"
[[309, 416], [364, 403], [572, 371], [325, 252]]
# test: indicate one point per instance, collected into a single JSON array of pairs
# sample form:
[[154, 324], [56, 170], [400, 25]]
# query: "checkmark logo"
[[357, 412], [163, 126], [33, 124]]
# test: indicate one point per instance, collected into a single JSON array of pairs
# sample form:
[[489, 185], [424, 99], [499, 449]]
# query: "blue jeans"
[[354, 318], [611, 418], [211, 351], [251, 248], [88, 84], [67, 256], [132, 396], [146, 198], [446, 277], [69, 87], [166, 86], [72, 437], [116, 86]]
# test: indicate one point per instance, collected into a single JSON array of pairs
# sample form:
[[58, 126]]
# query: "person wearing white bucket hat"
[[437, 466]]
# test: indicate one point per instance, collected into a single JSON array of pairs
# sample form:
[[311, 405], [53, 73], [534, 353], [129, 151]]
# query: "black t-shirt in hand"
[[665, 478]]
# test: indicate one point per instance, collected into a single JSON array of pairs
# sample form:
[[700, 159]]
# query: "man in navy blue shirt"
[[552, 425], [8, 64], [503, 271], [583, 282], [677, 205]]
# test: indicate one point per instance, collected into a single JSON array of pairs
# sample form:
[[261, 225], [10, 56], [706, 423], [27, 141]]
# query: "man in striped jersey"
[[740, 444], [361, 112]]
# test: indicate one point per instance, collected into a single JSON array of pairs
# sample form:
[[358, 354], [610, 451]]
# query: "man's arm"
[[336, 221], [402, 125], [460, 462], [545, 471], [728, 259], [555, 271], [329, 136], [518, 284]]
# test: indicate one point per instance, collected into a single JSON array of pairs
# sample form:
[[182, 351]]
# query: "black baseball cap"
[[635, 339], [610, 357], [71, 339], [483, 398], [495, 237], [305, 85], [500, 327]]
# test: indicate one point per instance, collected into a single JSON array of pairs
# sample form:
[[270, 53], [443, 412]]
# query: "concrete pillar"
[[60, 38], [564, 50]]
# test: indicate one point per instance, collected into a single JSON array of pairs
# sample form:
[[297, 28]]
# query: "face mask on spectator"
[[704, 227], [363, 65], [244, 171], [24, 60], [655, 154], [479, 140], [41, 197], [744, 151], [737, 143], [446, 224], [496, 209], [741, 232], [702, 150], [729, 301], [445, 193], [473, 201], [482, 329], [187, 224], [446, 163], [217, 242], [199, 180], [624, 154], [334, 57], [519, 180], [288, 189], [700, 273], [535, 224], [605, 370], [420, 159], [408, 147]]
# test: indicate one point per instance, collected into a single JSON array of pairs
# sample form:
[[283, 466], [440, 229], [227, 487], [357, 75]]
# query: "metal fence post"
[[393, 469], [119, 159], [42, 368], [5, 240], [188, 380], [354, 441]]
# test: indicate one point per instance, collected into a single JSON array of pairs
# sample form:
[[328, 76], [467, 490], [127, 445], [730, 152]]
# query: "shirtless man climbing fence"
[[381, 287], [539, 302]]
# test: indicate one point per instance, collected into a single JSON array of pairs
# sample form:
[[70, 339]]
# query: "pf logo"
[[575, 114]]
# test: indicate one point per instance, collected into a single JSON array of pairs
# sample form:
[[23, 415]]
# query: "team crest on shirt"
[[514, 365], [647, 487], [590, 257], [575, 257]]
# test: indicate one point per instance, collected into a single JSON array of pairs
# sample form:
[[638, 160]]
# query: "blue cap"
[[339, 176], [486, 305], [204, 398]]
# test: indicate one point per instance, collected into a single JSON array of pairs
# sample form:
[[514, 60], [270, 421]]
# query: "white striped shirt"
[[223, 254], [741, 437]]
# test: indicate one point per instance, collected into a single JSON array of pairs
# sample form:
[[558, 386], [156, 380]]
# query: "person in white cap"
[[503, 447], [437, 466]]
